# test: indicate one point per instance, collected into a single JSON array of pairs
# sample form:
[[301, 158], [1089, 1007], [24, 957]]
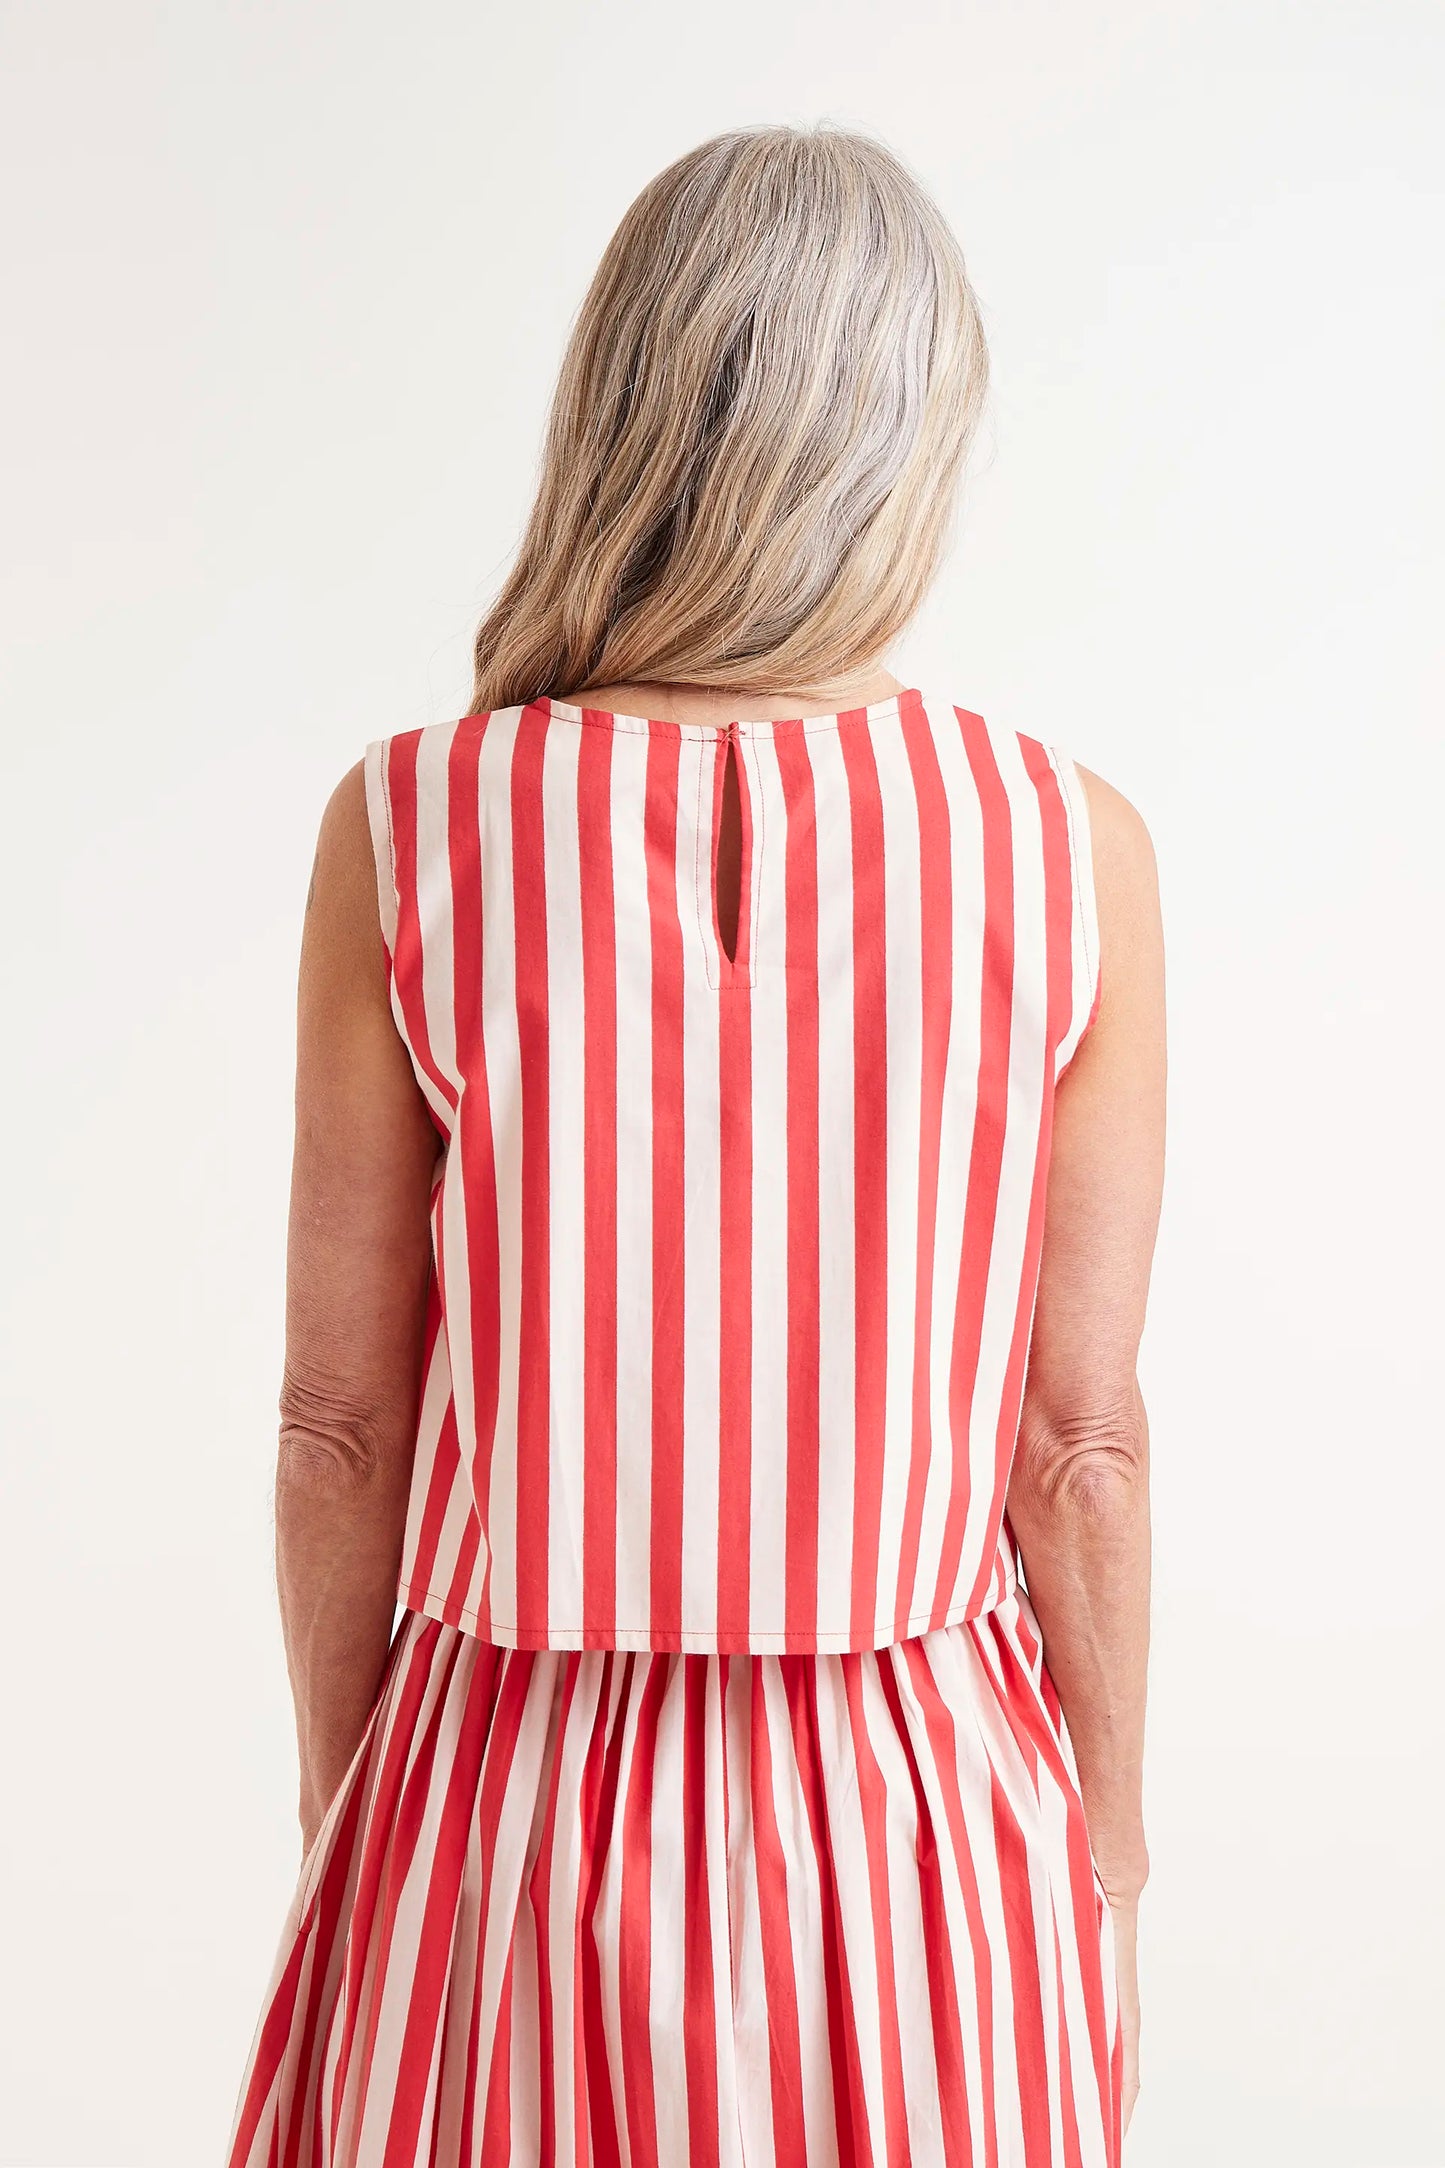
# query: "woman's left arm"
[[358, 1259]]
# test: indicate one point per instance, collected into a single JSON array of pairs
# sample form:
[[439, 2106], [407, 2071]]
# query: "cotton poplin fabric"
[[736, 1254], [717, 1809], [611, 1906]]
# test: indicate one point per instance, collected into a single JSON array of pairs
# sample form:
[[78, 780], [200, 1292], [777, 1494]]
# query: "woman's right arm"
[[1078, 1496], [358, 1264]]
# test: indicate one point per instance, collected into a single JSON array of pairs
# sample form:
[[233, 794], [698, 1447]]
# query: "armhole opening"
[[378, 807], [1088, 968]]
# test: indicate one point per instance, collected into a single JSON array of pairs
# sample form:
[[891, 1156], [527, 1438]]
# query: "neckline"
[[568, 711]]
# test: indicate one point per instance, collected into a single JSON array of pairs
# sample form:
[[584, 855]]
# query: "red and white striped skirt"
[[593, 1907]]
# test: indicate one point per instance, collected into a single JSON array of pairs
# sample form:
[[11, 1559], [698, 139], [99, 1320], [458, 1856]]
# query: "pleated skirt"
[[697, 1911]]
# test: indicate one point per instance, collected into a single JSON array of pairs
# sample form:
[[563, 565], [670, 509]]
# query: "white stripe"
[[566, 1186], [434, 897], [771, 996], [903, 915], [701, 1174], [649, 1894], [1084, 924], [664, 1897], [960, 1107], [769, 999], [504, 1092], [634, 1180], [1021, 1134], [837, 1228]]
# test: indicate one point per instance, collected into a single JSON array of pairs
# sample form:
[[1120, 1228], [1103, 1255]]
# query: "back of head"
[[758, 429]]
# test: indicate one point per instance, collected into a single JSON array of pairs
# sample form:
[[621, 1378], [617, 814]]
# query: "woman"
[[728, 1154]]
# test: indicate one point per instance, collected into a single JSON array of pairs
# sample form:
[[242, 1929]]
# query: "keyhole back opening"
[[729, 860]]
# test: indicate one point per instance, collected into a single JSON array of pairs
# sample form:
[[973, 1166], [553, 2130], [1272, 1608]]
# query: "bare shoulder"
[[1120, 836], [1126, 873], [345, 832], [343, 927], [1126, 886], [348, 800], [342, 865]]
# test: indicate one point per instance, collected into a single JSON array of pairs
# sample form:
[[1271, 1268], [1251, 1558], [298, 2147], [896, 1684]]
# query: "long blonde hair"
[[758, 429]]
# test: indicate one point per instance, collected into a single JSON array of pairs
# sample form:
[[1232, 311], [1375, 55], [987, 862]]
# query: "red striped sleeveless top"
[[735, 1254]]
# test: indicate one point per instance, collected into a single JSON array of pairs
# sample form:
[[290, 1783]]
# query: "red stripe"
[[700, 1983], [941, 1722], [534, 1384], [599, 1795], [290, 2030], [680, 960], [599, 1181], [1058, 926], [800, 877], [497, 2149], [509, 1699], [434, 1831], [935, 846], [445, 1467], [432, 1836], [634, 1935], [1023, 1712], [800, 1680], [873, 1805], [469, 1543], [735, 1324], [943, 1975], [669, 1286], [770, 1862], [1026, 1988], [431, 1971], [275, 2039], [870, 1174], [986, 1148], [403, 1785], [544, 1900], [479, 1271]]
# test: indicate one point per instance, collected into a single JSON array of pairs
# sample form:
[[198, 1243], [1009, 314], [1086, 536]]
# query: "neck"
[[668, 701]]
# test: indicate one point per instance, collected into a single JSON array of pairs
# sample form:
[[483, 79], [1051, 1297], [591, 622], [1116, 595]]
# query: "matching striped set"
[[716, 1806]]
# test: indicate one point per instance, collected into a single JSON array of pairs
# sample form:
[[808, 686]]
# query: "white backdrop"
[[286, 292]]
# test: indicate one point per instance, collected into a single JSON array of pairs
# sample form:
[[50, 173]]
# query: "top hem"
[[701, 1641]]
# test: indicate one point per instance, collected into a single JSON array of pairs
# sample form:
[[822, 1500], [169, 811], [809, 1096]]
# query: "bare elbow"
[[326, 1443], [1091, 1467]]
